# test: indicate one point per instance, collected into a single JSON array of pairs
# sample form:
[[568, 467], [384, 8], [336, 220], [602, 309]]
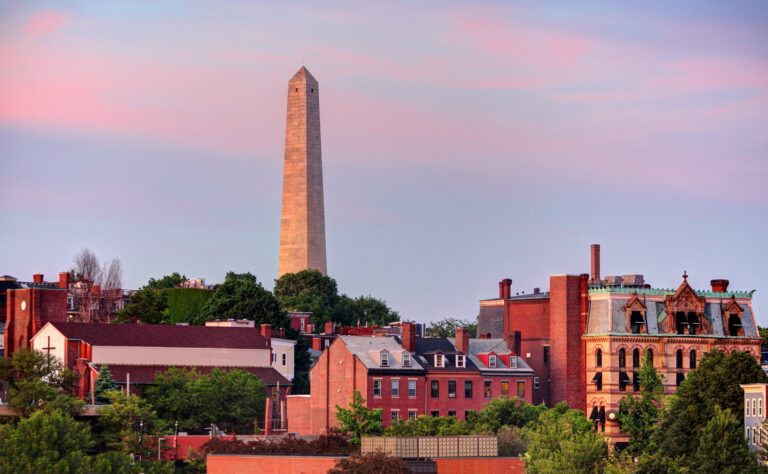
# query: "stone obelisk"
[[302, 227]]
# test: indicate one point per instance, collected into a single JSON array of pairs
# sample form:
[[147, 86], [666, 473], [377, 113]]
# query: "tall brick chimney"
[[594, 251], [505, 288], [317, 344], [462, 340], [329, 329], [37, 278], [64, 280], [719, 285], [409, 337]]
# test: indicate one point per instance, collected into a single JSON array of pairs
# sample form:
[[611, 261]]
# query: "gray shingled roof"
[[498, 346], [367, 348]]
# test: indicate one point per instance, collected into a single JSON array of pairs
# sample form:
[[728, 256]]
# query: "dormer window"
[[461, 361], [439, 360], [384, 359], [492, 361], [637, 322], [406, 359], [734, 325]]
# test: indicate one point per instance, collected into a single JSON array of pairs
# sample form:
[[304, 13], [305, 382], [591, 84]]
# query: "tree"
[[38, 381], [302, 362], [722, 447], [505, 411], [97, 288], [447, 327], [87, 266], [365, 310], [126, 423], [241, 296], [429, 426], [639, 416], [146, 306], [371, 463], [104, 384], [563, 441], [358, 420], [715, 383], [55, 442], [174, 397], [308, 290], [174, 280]]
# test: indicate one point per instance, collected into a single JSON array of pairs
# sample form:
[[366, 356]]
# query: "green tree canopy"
[[722, 447], [358, 420], [241, 296], [715, 383], [146, 306], [105, 383], [563, 441], [233, 399], [39, 381], [174, 280], [364, 309], [126, 423], [308, 290], [447, 327], [639, 416], [504, 411], [429, 426], [53, 443]]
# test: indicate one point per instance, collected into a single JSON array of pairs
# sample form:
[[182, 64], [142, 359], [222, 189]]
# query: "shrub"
[[332, 443], [371, 463]]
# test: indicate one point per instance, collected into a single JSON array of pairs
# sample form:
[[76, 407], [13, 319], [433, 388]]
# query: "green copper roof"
[[666, 291]]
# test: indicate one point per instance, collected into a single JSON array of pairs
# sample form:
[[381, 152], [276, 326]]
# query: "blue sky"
[[462, 143]]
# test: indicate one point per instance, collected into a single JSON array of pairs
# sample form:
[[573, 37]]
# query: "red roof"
[[145, 374], [163, 335]]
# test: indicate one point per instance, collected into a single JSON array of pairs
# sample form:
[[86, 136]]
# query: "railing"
[[422, 447]]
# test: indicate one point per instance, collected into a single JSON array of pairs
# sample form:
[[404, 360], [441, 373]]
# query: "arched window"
[[599, 358], [692, 361], [679, 359], [734, 325], [636, 358], [650, 356], [622, 358]]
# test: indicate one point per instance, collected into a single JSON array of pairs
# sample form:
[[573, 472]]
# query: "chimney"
[[37, 278], [64, 280], [409, 337], [517, 342], [317, 344], [462, 340], [719, 285], [595, 262], [536, 291], [329, 327], [309, 328], [266, 331], [505, 288]]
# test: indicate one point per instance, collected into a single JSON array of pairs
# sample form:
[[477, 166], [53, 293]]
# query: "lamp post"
[[141, 437]]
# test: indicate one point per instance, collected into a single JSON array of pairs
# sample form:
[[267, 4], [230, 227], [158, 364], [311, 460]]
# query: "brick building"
[[585, 337], [407, 377]]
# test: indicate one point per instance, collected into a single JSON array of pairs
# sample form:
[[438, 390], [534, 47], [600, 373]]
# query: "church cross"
[[49, 348]]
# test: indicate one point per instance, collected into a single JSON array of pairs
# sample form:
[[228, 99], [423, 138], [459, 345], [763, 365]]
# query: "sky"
[[463, 142]]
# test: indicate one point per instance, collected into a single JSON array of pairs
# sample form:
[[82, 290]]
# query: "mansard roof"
[[163, 335], [496, 346], [364, 346], [427, 347]]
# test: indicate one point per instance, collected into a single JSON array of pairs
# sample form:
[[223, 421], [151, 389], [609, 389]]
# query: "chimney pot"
[[536, 291], [64, 280], [462, 340], [329, 327], [505, 288], [266, 331], [37, 278], [317, 344], [720, 285]]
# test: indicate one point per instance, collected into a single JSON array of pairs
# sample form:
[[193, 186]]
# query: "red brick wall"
[[298, 408], [531, 318], [403, 403], [565, 340], [241, 464], [478, 465], [42, 305]]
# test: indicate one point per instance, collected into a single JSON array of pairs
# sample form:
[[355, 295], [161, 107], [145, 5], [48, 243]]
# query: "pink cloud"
[[44, 23]]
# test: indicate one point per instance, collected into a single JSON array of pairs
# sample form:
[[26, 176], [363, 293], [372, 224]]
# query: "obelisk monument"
[[302, 227]]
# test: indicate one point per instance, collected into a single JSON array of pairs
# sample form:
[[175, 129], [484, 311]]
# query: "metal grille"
[[422, 447]]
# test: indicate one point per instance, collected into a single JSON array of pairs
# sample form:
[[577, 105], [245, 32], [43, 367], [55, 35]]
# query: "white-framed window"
[[285, 359], [754, 407], [536, 382], [377, 387], [513, 362], [274, 357], [412, 389], [492, 361], [749, 436], [439, 360], [395, 387], [303, 324], [461, 361], [384, 358], [754, 436], [406, 359], [746, 407], [327, 343], [759, 407], [395, 415], [412, 414]]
